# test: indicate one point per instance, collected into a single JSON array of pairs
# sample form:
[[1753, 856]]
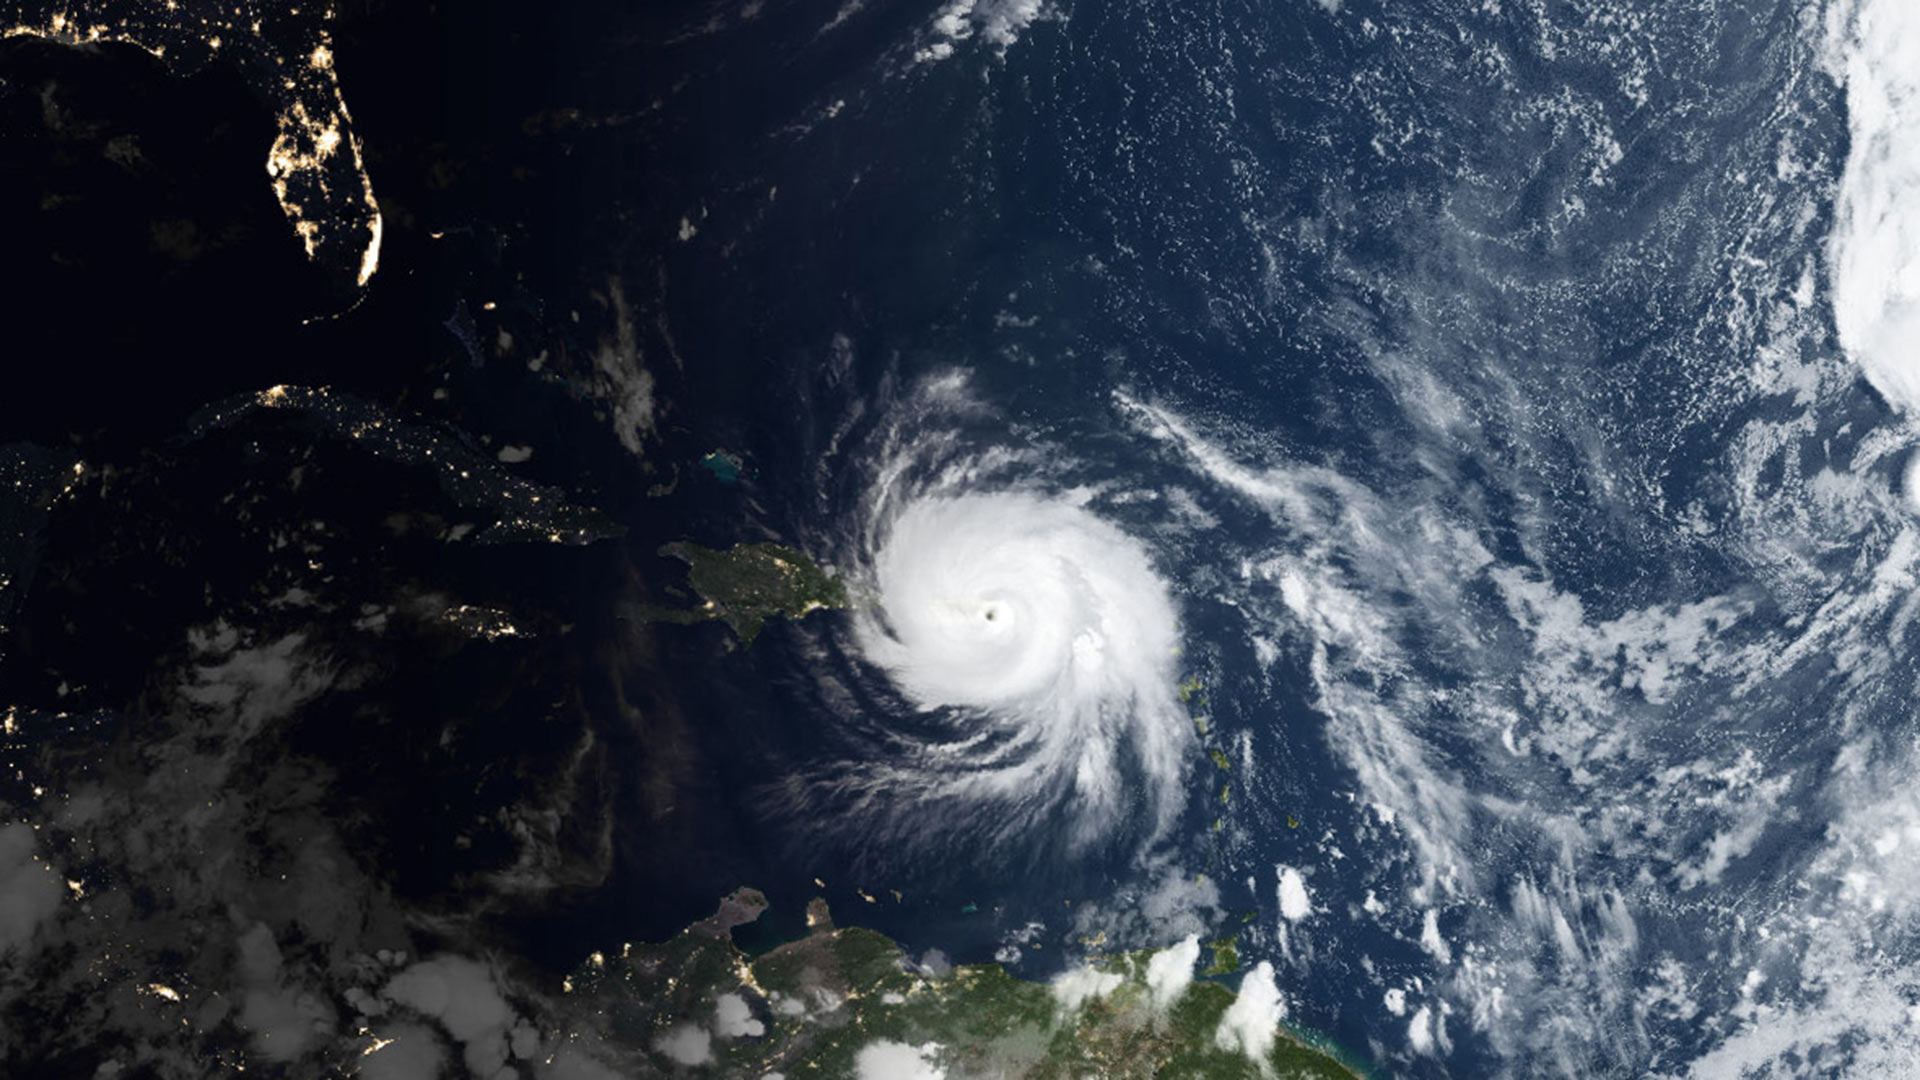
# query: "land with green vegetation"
[[810, 1007], [747, 584], [1226, 957]]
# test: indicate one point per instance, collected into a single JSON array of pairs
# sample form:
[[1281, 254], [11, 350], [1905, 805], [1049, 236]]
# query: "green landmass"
[[1189, 688], [817, 1002], [747, 584], [1226, 957]]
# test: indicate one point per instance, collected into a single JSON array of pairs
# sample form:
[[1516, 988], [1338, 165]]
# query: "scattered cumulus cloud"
[[999, 23]]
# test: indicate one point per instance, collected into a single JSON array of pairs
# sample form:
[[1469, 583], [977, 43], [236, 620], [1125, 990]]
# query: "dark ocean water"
[[1462, 370]]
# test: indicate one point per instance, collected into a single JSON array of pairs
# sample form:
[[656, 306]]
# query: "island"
[[849, 1003], [747, 584]]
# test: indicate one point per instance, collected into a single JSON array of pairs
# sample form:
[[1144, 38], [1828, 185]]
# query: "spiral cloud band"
[[1048, 630]]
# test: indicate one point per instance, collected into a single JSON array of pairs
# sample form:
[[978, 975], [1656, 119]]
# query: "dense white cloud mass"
[[1295, 904], [29, 892], [1170, 971], [1052, 627], [733, 1018], [889, 1060], [285, 1019], [1252, 1022], [1874, 45], [460, 994], [1077, 986], [1034, 636], [687, 1044]]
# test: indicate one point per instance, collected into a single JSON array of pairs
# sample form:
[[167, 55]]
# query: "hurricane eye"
[[1044, 637]]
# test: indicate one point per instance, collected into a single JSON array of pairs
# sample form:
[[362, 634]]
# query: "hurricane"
[[1038, 617], [1506, 414], [1011, 667]]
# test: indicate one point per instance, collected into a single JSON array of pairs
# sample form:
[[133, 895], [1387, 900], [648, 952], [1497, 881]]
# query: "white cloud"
[[620, 375], [953, 19], [686, 1044], [257, 684], [1170, 971], [1875, 244], [285, 1020], [1077, 986], [997, 22], [1420, 1031], [733, 1018], [1430, 938], [1002, 23], [1047, 616], [29, 891], [1294, 902], [461, 994], [1252, 1022], [1175, 904], [889, 1060], [1858, 902]]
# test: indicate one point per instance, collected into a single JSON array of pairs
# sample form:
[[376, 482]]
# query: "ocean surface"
[[1494, 414]]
